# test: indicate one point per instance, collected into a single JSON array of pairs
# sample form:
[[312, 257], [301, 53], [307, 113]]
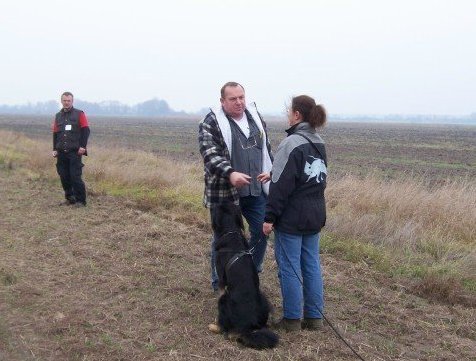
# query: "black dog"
[[242, 309]]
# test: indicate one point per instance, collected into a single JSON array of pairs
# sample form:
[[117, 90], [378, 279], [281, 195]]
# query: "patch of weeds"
[[87, 325], [175, 197], [389, 346], [118, 315], [9, 243], [31, 174], [358, 324], [450, 165], [123, 190], [89, 343], [446, 345], [4, 333], [411, 270], [441, 288], [129, 256], [469, 284], [6, 164], [109, 341], [151, 347], [436, 249], [9, 156], [58, 336], [351, 327], [355, 251], [77, 356], [92, 266], [7, 278], [440, 282]]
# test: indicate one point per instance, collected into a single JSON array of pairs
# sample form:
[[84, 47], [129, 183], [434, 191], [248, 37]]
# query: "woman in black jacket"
[[296, 211]]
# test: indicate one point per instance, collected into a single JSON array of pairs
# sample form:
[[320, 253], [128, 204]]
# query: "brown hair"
[[232, 84], [67, 94], [312, 113]]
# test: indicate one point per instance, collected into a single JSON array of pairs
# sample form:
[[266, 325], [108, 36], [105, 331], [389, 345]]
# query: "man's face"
[[233, 102], [67, 101]]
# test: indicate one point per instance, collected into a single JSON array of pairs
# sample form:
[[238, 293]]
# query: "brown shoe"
[[312, 324], [288, 325]]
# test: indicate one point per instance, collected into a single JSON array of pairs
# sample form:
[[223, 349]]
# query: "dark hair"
[[312, 113], [67, 94], [232, 84]]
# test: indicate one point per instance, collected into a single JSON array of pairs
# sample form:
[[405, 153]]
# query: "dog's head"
[[226, 217]]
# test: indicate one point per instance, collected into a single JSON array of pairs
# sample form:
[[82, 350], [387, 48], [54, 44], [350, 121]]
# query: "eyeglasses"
[[251, 142]]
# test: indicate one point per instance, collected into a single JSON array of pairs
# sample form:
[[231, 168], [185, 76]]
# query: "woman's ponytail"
[[312, 113]]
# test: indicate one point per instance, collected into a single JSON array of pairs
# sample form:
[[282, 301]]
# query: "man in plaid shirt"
[[237, 160]]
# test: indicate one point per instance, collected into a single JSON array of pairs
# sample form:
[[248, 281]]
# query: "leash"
[[322, 314], [238, 255], [235, 258]]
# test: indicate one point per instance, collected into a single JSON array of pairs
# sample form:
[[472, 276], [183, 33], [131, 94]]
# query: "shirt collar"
[[299, 126]]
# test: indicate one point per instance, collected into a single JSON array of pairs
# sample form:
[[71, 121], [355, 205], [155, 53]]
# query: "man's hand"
[[81, 151], [239, 180], [267, 228], [264, 177], [54, 154]]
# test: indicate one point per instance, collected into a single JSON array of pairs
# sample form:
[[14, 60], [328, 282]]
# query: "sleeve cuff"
[[269, 218], [228, 172]]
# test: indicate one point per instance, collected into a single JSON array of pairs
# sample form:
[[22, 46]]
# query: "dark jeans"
[[253, 209], [70, 169]]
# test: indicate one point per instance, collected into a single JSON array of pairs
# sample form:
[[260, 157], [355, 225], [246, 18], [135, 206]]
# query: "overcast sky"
[[355, 57]]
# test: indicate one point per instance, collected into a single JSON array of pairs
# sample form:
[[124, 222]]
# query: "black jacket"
[[70, 130], [296, 202]]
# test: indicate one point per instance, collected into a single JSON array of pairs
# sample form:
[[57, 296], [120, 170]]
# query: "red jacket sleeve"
[[54, 128], [83, 121]]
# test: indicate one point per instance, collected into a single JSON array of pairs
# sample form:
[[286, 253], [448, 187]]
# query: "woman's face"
[[294, 117]]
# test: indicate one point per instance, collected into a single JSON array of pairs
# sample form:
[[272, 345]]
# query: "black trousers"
[[70, 169]]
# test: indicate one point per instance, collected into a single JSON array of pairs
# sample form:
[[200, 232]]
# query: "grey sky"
[[364, 56]]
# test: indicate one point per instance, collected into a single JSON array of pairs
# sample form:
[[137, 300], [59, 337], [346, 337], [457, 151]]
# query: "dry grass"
[[402, 213], [414, 230], [151, 180], [428, 232], [115, 282]]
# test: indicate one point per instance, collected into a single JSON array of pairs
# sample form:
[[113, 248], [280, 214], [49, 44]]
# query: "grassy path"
[[113, 282]]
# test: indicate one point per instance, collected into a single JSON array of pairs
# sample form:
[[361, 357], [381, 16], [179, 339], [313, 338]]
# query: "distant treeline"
[[159, 107], [152, 107], [408, 118]]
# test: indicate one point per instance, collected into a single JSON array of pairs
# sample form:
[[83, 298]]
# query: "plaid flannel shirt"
[[217, 162]]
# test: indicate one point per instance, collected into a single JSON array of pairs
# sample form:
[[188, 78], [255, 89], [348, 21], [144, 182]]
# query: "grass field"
[[127, 278], [434, 153]]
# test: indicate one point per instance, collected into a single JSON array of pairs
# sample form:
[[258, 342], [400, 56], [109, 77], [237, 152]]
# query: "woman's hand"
[[267, 228], [264, 177]]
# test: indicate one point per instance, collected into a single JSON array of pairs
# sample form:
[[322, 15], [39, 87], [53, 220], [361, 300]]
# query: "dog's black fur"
[[242, 309]]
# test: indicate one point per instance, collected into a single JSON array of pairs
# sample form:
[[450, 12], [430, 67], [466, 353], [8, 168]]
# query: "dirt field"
[[113, 282], [120, 280]]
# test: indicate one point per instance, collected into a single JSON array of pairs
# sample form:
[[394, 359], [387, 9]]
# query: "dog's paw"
[[234, 337], [213, 327]]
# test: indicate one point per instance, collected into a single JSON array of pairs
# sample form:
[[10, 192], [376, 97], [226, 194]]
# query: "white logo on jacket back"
[[315, 169]]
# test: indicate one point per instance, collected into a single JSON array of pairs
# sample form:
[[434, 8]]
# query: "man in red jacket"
[[70, 138]]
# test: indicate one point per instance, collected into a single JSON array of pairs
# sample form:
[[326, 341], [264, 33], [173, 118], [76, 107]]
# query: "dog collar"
[[235, 258]]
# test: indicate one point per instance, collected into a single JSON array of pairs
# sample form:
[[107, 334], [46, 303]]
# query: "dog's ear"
[[216, 219], [226, 216], [239, 217], [222, 216]]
